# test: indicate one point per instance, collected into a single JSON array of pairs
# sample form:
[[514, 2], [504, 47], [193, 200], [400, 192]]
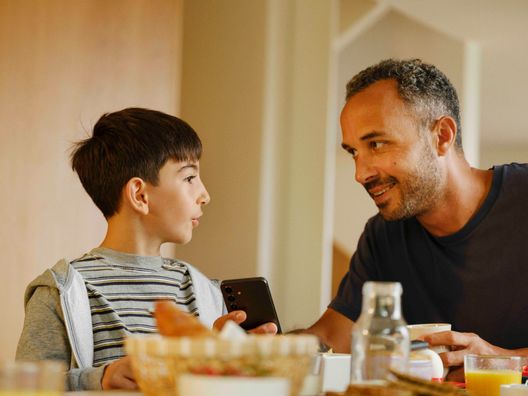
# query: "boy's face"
[[175, 203]]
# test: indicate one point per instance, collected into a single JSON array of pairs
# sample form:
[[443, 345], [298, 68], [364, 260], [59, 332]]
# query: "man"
[[452, 235]]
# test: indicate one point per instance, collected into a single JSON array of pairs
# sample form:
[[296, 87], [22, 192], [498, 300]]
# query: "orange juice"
[[488, 382]]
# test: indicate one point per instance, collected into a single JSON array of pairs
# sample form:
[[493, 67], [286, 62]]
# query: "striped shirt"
[[122, 289]]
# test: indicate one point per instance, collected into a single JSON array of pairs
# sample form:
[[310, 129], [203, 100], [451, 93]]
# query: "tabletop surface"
[[104, 393]]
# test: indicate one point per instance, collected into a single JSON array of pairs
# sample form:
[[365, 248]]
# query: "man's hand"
[[461, 344], [119, 375], [240, 316]]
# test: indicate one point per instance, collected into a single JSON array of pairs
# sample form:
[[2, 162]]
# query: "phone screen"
[[253, 296]]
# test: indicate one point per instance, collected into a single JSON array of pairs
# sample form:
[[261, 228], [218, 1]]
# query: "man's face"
[[395, 161], [175, 203]]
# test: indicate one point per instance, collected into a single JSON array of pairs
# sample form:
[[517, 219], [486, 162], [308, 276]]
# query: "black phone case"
[[253, 296]]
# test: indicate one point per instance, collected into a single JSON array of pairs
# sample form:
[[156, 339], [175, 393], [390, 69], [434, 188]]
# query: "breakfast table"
[[104, 393]]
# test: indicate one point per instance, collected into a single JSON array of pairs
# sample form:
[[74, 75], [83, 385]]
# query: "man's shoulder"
[[513, 183], [514, 170]]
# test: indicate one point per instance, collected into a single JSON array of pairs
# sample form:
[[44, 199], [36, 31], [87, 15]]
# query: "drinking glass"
[[486, 373], [42, 378]]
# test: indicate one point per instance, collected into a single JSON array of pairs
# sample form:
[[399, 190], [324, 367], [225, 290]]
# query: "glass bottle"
[[380, 340]]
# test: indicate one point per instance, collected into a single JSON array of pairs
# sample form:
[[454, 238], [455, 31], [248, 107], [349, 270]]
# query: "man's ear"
[[445, 131], [136, 195]]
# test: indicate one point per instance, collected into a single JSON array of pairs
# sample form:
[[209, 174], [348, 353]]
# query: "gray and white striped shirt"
[[122, 289]]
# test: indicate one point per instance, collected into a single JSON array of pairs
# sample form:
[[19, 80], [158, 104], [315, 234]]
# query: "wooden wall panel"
[[62, 64]]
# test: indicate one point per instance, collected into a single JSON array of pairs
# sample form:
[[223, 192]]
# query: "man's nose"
[[365, 170]]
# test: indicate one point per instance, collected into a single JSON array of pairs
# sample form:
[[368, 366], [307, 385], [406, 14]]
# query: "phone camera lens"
[[234, 306], [229, 289], [231, 298]]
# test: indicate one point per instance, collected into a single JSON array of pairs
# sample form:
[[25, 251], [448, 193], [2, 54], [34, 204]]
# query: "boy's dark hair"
[[421, 85], [133, 142]]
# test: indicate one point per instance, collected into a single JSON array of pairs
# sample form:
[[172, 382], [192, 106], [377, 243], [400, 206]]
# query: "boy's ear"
[[445, 131], [136, 196]]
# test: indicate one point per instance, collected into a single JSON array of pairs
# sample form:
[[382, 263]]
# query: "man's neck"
[[465, 191], [128, 236]]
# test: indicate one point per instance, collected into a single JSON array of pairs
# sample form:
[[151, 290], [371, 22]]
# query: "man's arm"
[[334, 330]]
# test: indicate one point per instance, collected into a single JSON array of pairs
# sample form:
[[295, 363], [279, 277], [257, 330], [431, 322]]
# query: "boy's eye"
[[189, 179]]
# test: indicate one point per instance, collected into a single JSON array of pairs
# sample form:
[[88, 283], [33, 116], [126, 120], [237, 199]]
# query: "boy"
[[141, 169]]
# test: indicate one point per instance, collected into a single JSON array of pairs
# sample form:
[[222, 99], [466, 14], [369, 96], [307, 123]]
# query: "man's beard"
[[420, 189]]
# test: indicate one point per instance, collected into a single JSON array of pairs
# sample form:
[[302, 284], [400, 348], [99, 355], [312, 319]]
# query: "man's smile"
[[378, 189], [377, 192]]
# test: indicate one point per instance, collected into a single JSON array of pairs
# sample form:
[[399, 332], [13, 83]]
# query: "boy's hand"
[[173, 322], [119, 375], [238, 317]]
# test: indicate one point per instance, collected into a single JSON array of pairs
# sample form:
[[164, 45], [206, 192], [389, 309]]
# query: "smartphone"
[[253, 296]]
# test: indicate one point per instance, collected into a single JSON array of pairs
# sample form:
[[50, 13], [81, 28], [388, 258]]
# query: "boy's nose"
[[205, 198]]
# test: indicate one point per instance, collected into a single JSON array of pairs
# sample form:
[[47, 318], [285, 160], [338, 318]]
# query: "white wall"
[[496, 153], [222, 94], [254, 85]]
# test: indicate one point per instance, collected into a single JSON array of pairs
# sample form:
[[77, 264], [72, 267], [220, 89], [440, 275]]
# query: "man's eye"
[[353, 152], [189, 179], [376, 145]]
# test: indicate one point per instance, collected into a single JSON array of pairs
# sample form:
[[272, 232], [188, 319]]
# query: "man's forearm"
[[334, 331], [322, 346]]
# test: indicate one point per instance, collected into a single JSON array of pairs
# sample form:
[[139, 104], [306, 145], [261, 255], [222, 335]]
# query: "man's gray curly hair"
[[421, 85]]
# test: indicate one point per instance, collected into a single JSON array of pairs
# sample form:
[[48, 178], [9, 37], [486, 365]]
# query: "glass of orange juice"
[[486, 373]]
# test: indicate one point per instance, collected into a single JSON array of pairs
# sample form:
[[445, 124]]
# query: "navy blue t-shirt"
[[475, 279]]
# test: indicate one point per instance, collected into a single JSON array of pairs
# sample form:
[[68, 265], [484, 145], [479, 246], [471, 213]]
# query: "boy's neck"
[[128, 236]]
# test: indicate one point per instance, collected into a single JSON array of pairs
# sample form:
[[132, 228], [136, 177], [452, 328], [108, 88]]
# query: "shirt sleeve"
[[44, 337], [362, 269]]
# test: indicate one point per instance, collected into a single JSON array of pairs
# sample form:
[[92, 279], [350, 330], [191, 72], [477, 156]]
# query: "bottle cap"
[[382, 288]]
